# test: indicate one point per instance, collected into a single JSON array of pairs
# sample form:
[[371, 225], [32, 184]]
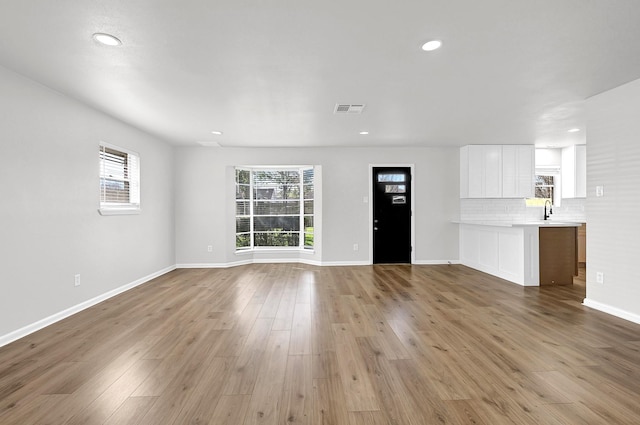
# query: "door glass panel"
[[382, 178], [395, 188]]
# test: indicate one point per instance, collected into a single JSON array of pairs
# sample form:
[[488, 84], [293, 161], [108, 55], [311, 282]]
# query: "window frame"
[[131, 176], [556, 188], [302, 230]]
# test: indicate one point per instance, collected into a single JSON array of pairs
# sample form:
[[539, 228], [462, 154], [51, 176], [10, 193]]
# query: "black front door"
[[391, 215]]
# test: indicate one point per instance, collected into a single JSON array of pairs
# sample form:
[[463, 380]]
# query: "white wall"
[[51, 229], [548, 158], [515, 210], [205, 200], [613, 238]]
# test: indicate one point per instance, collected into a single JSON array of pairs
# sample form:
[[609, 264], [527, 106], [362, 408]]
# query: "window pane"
[[276, 207], [243, 176], [276, 239], [390, 178], [308, 224], [277, 193], [242, 207], [119, 178], [114, 163], [308, 176], [308, 191], [276, 223], [114, 191], [544, 192], [243, 224], [287, 177], [544, 180], [243, 241], [308, 240], [243, 191], [308, 207]]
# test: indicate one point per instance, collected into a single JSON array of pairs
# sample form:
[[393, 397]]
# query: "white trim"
[[213, 265], [413, 208], [47, 321], [119, 211], [435, 262], [614, 311], [118, 148], [345, 263], [271, 261]]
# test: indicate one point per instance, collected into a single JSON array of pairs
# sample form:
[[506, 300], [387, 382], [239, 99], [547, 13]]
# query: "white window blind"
[[119, 179]]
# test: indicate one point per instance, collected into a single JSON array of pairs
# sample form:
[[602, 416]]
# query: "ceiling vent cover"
[[345, 108]]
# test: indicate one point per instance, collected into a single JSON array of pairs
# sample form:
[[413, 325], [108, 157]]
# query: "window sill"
[[119, 211]]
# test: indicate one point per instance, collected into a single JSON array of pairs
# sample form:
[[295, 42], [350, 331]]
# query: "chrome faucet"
[[546, 216]]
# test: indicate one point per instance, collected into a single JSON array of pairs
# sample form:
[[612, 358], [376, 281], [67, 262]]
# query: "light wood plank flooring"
[[295, 344]]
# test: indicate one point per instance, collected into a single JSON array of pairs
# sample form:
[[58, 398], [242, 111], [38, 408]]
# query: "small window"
[[544, 190], [119, 181]]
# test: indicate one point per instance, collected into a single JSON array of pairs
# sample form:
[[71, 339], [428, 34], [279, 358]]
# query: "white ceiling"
[[269, 73]]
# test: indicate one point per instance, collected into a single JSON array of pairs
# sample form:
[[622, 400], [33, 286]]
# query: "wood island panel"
[[558, 255]]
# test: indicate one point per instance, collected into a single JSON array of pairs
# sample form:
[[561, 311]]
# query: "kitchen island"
[[527, 253]]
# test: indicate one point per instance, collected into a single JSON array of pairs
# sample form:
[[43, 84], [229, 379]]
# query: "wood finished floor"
[[295, 344]]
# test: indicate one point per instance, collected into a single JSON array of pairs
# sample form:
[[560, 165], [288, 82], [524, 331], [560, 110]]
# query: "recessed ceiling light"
[[217, 133], [364, 133], [574, 130], [431, 45], [106, 39]]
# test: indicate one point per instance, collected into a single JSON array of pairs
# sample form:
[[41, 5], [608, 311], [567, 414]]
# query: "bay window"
[[274, 208]]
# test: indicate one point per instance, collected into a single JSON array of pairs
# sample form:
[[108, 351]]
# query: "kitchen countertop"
[[538, 223]]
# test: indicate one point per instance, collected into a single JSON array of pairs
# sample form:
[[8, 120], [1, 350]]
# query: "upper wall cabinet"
[[574, 171], [496, 171], [518, 171], [481, 171]]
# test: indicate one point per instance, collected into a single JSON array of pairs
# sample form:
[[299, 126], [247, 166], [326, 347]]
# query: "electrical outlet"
[[599, 277], [355, 247], [209, 248], [77, 280], [599, 191]]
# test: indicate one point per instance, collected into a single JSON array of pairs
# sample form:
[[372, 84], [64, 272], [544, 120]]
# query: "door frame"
[[413, 209]]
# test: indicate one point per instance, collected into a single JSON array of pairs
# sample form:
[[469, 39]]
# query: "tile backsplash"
[[515, 210]]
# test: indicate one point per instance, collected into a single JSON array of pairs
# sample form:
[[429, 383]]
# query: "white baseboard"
[[614, 311], [300, 261], [213, 265], [269, 261], [435, 262], [29, 329], [345, 263]]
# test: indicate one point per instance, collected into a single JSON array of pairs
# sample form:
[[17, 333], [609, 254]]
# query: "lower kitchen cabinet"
[[558, 252]]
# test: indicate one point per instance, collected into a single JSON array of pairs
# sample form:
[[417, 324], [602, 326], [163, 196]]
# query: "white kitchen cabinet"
[[481, 171], [574, 171], [497, 171], [518, 170]]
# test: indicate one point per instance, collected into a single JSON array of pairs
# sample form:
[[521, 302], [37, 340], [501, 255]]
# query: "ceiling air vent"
[[345, 108]]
